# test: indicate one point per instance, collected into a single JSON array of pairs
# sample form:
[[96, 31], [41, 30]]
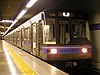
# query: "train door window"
[[49, 32], [27, 32]]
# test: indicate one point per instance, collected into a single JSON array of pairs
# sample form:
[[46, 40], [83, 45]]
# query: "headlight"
[[53, 51], [84, 50]]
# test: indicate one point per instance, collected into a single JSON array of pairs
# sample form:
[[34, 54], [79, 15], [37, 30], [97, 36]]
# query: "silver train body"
[[54, 35]]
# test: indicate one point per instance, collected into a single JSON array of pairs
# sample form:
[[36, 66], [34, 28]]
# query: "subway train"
[[55, 35]]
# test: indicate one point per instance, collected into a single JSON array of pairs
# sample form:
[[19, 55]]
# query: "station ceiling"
[[9, 9]]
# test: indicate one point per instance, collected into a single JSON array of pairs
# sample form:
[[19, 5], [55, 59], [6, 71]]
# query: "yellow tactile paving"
[[22, 66]]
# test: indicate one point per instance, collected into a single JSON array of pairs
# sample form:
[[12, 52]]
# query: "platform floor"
[[7, 65], [14, 61]]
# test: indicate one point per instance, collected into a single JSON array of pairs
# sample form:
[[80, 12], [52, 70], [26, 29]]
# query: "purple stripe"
[[65, 50], [95, 27], [71, 46]]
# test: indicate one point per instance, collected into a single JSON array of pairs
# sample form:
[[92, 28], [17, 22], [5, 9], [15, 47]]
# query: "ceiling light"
[[11, 26], [31, 3], [21, 14], [1, 32], [7, 21]]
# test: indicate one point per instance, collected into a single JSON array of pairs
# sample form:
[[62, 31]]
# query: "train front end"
[[66, 36]]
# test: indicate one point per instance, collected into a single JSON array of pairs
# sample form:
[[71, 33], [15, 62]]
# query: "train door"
[[37, 38], [18, 38], [40, 38], [14, 35], [27, 39], [22, 36], [34, 39]]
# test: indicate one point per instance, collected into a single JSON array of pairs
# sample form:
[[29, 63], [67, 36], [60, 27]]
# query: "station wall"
[[95, 38]]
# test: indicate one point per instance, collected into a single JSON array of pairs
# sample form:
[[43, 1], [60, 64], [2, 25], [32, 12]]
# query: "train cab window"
[[49, 32], [78, 29], [64, 32], [79, 33], [51, 35]]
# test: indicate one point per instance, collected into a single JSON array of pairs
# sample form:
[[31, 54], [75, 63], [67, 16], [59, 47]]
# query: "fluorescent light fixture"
[[21, 14], [7, 21], [11, 26], [31, 3], [14, 22], [1, 32], [2, 27]]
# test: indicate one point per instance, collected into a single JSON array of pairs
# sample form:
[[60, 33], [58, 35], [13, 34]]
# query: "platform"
[[14, 61]]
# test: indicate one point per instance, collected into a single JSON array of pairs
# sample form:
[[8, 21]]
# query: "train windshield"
[[64, 31], [49, 34]]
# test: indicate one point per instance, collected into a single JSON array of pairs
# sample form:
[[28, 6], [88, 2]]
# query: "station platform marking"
[[22, 66]]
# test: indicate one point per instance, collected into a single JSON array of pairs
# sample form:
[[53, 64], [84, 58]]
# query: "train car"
[[56, 35]]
